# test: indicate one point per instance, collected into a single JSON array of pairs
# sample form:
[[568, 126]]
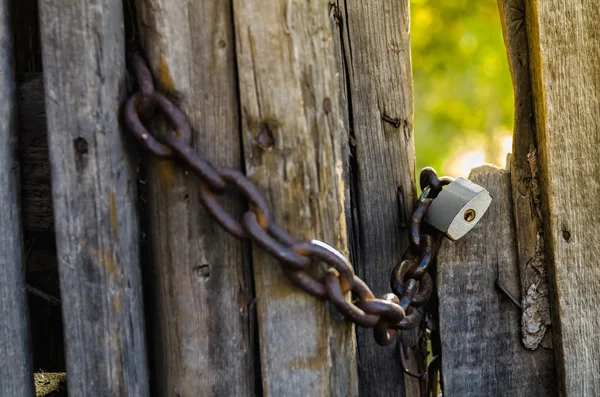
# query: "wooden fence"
[[313, 100]]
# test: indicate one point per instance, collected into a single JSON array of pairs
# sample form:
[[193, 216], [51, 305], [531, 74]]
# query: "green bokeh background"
[[463, 88]]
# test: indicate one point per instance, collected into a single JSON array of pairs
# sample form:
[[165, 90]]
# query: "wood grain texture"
[[482, 353], [563, 40], [289, 95], [373, 51], [203, 321], [94, 196], [16, 377], [535, 320]]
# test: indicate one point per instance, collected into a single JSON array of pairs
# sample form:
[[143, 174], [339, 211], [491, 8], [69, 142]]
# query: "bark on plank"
[[563, 40], [482, 353], [16, 376], [291, 130], [373, 48], [525, 184], [203, 323], [94, 196]]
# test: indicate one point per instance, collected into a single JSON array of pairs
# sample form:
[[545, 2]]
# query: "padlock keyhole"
[[470, 215]]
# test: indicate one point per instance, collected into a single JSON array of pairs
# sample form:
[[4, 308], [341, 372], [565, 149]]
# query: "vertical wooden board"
[[203, 322], [291, 125], [482, 353], [535, 320], [94, 195], [16, 378], [564, 43], [373, 46]]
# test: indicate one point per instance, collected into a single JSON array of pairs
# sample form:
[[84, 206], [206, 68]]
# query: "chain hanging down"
[[410, 281]]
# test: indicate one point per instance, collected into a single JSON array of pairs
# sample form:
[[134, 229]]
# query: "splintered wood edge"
[[536, 322]]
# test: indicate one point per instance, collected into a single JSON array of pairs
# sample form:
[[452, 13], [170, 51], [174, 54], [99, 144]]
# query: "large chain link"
[[410, 282]]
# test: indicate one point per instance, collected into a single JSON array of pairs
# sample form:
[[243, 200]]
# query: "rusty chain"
[[410, 281]]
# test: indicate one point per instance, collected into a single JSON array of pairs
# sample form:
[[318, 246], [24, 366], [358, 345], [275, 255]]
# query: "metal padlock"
[[458, 208]]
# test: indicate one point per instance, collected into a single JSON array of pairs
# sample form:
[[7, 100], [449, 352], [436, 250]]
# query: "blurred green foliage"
[[463, 88]]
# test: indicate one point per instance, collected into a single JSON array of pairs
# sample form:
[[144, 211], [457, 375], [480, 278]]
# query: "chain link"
[[410, 282]]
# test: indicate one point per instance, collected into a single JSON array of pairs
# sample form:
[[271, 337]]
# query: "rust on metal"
[[300, 260]]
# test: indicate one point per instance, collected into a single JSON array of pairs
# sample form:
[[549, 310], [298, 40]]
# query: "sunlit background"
[[463, 88]]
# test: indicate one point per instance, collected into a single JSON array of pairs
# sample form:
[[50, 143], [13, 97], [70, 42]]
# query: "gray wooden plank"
[[482, 352], [203, 311], [563, 40], [16, 378], [94, 196], [289, 95], [373, 50]]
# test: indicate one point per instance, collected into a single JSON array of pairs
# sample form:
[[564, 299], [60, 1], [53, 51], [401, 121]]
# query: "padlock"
[[458, 208]]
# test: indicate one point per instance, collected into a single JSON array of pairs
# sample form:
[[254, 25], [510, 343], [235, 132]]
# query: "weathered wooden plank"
[[525, 184], [563, 40], [373, 46], [16, 378], [291, 129], [482, 353], [94, 195], [203, 319]]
